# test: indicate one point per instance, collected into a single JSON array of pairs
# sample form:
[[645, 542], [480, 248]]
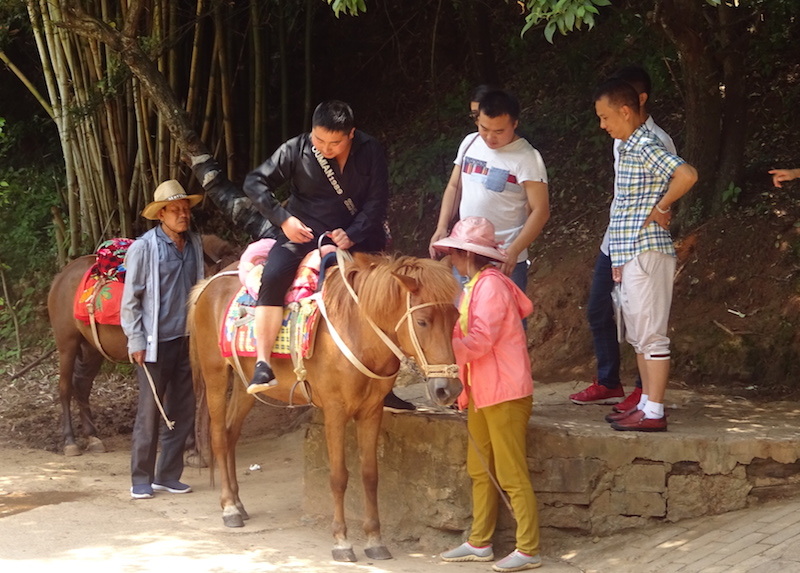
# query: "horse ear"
[[408, 283]]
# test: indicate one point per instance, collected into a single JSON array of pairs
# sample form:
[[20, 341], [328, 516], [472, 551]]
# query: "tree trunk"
[[712, 44]]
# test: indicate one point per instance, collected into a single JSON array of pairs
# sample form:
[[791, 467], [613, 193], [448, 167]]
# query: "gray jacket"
[[141, 296]]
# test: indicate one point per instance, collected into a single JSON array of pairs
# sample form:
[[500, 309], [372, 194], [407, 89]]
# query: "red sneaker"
[[598, 394], [636, 422], [630, 402]]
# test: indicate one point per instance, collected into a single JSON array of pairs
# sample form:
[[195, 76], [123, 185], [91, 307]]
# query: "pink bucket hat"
[[474, 234]]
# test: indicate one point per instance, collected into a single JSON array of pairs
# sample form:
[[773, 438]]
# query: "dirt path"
[[58, 512]]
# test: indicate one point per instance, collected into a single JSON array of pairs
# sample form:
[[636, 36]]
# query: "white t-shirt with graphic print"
[[491, 184]]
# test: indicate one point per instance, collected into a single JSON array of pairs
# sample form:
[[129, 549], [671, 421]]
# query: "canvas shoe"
[[518, 561], [263, 378], [141, 491], [172, 486], [630, 402], [598, 394], [468, 552]]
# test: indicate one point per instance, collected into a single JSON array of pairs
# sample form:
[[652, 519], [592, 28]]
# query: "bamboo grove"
[[219, 58]]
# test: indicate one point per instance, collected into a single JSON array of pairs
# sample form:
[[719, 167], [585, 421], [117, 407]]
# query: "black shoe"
[[393, 403], [263, 378]]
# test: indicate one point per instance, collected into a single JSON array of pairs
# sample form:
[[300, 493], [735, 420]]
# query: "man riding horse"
[[338, 187]]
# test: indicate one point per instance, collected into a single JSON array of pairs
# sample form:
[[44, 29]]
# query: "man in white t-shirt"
[[500, 176], [607, 388]]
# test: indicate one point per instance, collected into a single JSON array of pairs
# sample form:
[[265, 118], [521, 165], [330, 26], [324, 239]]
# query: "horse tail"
[[202, 419]]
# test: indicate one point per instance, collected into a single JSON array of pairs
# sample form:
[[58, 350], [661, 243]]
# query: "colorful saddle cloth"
[[251, 266], [299, 327], [100, 291]]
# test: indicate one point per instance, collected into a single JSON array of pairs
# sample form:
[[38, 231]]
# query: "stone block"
[[766, 493], [567, 475], [558, 498], [641, 477], [643, 504], [573, 517], [693, 496]]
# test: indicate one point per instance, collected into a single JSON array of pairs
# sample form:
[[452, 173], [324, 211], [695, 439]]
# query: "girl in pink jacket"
[[492, 353]]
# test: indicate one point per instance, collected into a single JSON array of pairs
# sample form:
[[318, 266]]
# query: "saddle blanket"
[[102, 297], [238, 328], [100, 289]]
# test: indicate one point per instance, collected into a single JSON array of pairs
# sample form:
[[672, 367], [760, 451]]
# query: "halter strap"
[[429, 370]]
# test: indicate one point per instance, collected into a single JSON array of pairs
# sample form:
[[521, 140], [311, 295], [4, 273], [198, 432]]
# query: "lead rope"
[[170, 423]]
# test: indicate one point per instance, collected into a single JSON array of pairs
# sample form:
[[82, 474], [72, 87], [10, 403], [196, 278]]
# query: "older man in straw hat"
[[162, 266]]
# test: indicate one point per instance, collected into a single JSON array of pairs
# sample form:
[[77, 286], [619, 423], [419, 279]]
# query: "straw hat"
[[474, 234], [167, 192]]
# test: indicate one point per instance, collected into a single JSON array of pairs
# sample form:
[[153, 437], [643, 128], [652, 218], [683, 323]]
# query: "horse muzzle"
[[443, 390]]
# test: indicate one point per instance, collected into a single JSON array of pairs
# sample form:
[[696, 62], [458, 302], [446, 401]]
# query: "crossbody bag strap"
[[328, 171]]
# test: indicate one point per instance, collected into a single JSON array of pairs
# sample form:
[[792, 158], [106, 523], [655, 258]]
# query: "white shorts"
[[646, 293]]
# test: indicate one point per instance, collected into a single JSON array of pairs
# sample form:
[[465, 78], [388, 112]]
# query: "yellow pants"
[[498, 443]]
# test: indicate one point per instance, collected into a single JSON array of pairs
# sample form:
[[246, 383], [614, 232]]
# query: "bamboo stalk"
[[64, 123], [258, 86], [224, 88], [27, 83], [284, 71], [191, 94]]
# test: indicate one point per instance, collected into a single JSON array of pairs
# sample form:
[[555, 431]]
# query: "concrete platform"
[[719, 455]]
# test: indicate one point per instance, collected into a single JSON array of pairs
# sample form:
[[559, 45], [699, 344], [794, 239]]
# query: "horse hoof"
[[347, 555], [72, 450], [233, 520], [378, 552], [243, 511], [95, 445]]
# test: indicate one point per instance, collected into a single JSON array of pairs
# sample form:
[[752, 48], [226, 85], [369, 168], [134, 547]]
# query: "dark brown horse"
[[409, 300], [78, 356]]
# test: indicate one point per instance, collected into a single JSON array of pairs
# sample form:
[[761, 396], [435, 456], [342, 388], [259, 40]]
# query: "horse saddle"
[[300, 319]]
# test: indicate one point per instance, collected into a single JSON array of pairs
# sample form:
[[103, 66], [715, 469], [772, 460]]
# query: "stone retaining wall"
[[587, 478]]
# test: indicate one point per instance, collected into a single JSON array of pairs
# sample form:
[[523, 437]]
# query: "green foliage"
[[350, 7], [562, 15], [731, 194], [13, 20], [26, 194]]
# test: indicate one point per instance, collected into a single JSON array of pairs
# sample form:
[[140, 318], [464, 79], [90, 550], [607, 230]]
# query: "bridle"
[[428, 370]]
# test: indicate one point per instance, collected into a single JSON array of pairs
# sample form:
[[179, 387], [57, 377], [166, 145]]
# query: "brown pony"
[[409, 300], [78, 356]]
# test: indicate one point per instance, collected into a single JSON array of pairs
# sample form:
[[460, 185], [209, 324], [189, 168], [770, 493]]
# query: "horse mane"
[[379, 292]]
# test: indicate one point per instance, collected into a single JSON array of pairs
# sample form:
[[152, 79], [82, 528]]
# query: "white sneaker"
[[467, 552], [518, 561]]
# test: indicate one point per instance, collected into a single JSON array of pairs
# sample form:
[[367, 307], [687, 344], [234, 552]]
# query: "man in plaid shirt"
[[650, 179]]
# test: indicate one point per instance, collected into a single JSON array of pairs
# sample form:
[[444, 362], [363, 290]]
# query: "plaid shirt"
[[645, 169]]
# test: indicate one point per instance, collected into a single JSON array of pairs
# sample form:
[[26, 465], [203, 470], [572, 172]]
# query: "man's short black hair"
[[499, 102], [333, 115], [619, 93], [480, 91], [637, 76]]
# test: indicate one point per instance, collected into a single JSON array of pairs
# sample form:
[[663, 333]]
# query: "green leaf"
[[549, 31], [569, 19]]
